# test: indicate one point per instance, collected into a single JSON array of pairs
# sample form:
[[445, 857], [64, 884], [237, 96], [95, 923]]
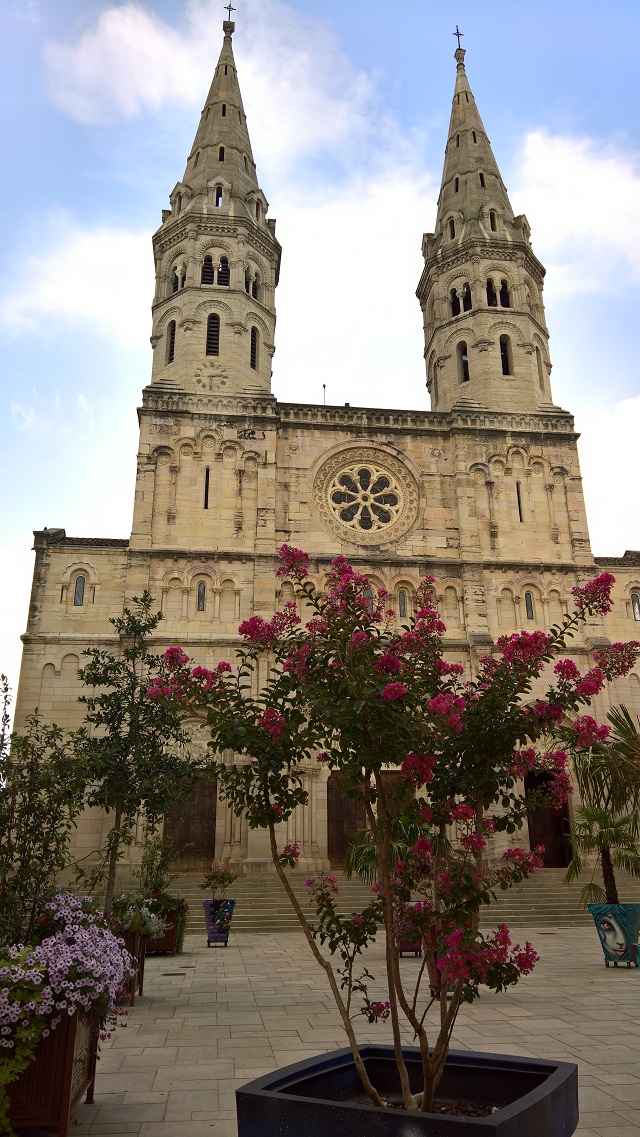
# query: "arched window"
[[452, 228], [493, 220], [457, 139], [257, 211], [171, 342], [175, 281], [247, 281], [473, 135], [528, 604], [539, 366], [505, 355], [221, 154], [456, 185], [206, 488], [202, 595], [227, 601], [254, 349], [455, 303], [481, 176], [196, 159], [78, 592], [466, 298], [224, 275], [402, 604], [178, 202], [183, 276], [507, 609], [492, 299], [463, 362], [505, 299], [224, 110], [213, 334], [206, 275], [218, 192], [246, 164], [635, 605], [255, 287]]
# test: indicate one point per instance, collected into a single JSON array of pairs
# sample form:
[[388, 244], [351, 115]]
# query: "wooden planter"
[[135, 945], [62, 1072], [169, 941]]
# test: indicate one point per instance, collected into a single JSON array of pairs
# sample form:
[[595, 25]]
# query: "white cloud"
[[582, 198], [65, 414], [609, 461], [99, 279]]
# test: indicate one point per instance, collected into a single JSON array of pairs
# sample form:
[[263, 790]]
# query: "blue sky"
[[348, 105]]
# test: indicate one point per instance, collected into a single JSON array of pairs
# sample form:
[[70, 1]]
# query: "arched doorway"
[[549, 827], [344, 816], [192, 827]]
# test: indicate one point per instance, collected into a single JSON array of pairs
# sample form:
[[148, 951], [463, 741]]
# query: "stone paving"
[[211, 1019]]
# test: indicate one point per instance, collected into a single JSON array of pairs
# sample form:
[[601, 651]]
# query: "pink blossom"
[[316, 626], [522, 763], [357, 920], [422, 847], [273, 722], [388, 664], [546, 712], [426, 813], [488, 825], [298, 661], [359, 638], [463, 813], [418, 769], [567, 670], [618, 659], [292, 850], [473, 842], [293, 562], [591, 684], [449, 708], [524, 647], [174, 657], [594, 597], [380, 1010], [394, 691], [587, 732]]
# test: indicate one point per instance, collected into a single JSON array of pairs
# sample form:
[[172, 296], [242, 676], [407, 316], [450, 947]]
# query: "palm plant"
[[608, 821], [362, 853]]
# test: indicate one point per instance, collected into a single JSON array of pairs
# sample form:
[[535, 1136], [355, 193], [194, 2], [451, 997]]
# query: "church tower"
[[486, 340], [216, 258]]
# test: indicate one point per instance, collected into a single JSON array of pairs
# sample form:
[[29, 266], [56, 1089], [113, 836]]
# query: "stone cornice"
[[214, 226], [469, 250]]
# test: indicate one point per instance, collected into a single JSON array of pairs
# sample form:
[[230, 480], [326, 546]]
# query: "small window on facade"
[[539, 367], [224, 274], [246, 164], [255, 287], [635, 605], [492, 299], [505, 299], [452, 228], [463, 362], [519, 500], [213, 334], [206, 275], [196, 159], [455, 303], [202, 593], [218, 196], [206, 488], [528, 603], [175, 281], [456, 185], [178, 202], [402, 604], [183, 276], [257, 211], [505, 355], [78, 592], [254, 349], [466, 298], [224, 110], [493, 221], [466, 95], [247, 281], [473, 135], [481, 176], [457, 139], [225, 68], [221, 154], [171, 342]]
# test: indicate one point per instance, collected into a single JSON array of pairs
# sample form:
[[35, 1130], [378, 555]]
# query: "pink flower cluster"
[[473, 842], [449, 708], [379, 1012], [418, 769], [463, 812], [474, 961], [618, 659], [422, 847], [522, 763], [559, 788], [263, 633], [292, 851], [546, 712], [273, 722], [525, 860], [524, 647], [298, 661], [394, 691], [595, 596], [388, 664], [587, 733], [293, 562]]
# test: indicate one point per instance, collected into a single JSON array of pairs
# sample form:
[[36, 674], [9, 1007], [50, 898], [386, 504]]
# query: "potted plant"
[[218, 911], [132, 919], [154, 880], [607, 825], [362, 696]]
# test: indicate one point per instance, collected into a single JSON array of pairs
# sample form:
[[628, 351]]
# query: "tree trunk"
[[608, 877], [113, 862]]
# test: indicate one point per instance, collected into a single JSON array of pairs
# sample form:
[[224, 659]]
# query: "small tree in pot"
[[218, 911], [370, 697]]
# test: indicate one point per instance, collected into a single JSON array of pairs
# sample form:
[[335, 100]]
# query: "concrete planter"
[[618, 926], [534, 1098], [218, 915], [62, 1072]]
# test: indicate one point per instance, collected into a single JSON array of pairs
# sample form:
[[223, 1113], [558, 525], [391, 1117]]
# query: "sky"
[[348, 106]]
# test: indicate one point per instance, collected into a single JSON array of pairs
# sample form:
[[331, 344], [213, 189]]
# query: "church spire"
[[486, 341]]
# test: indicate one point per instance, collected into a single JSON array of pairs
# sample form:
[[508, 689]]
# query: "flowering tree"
[[364, 696]]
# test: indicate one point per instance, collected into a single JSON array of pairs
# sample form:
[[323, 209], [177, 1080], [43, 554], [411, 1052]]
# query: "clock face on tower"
[[366, 496]]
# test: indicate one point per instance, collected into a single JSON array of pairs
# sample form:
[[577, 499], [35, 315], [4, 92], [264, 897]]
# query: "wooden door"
[[192, 826], [344, 816], [549, 827]]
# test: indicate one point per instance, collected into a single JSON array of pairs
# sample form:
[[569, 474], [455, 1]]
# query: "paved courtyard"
[[213, 1018]]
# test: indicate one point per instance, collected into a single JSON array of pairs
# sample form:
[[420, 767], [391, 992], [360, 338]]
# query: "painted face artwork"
[[613, 937], [617, 926]]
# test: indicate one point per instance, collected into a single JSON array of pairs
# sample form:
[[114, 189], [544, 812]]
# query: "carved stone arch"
[[77, 567], [213, 303], [171, 575], [507, 327], [177, 255], [253, 455], [482, 467], [172, 313], [559, 471], [255, 262], [461, 332], [186, 440], [194, 575], [456, 278], [632, 586], [232, 444], [209, 246], [208, 438], [164, 455], [255, 318]]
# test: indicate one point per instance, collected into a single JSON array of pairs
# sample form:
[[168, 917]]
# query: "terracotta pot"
[[62, 1072]]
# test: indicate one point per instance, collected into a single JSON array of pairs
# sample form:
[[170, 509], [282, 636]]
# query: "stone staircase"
[[544, 901]]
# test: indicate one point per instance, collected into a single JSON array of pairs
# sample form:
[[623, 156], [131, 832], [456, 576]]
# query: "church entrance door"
[[549, 827], [344, 816], [192, 826]]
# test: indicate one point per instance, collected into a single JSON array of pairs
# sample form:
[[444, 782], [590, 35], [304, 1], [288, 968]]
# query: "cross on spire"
[[458, 33], [229, 8]]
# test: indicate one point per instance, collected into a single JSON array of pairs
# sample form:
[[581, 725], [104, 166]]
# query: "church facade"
[[483, 492]]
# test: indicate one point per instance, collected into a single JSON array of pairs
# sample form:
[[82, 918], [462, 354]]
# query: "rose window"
[[365, 497]]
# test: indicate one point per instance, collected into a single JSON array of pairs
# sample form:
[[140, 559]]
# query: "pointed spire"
[[221, 146], [471, 179]]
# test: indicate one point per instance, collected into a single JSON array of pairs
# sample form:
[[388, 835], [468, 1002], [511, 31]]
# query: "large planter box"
[[132, 942], [169, 941], [618, 926], [218, 914], [63, 1071], [535, 1098]]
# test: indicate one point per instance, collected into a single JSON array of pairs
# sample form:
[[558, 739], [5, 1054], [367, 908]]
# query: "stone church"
[[483, 491]]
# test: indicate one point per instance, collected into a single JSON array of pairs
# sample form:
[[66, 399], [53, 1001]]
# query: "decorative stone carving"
[[366, 497]]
